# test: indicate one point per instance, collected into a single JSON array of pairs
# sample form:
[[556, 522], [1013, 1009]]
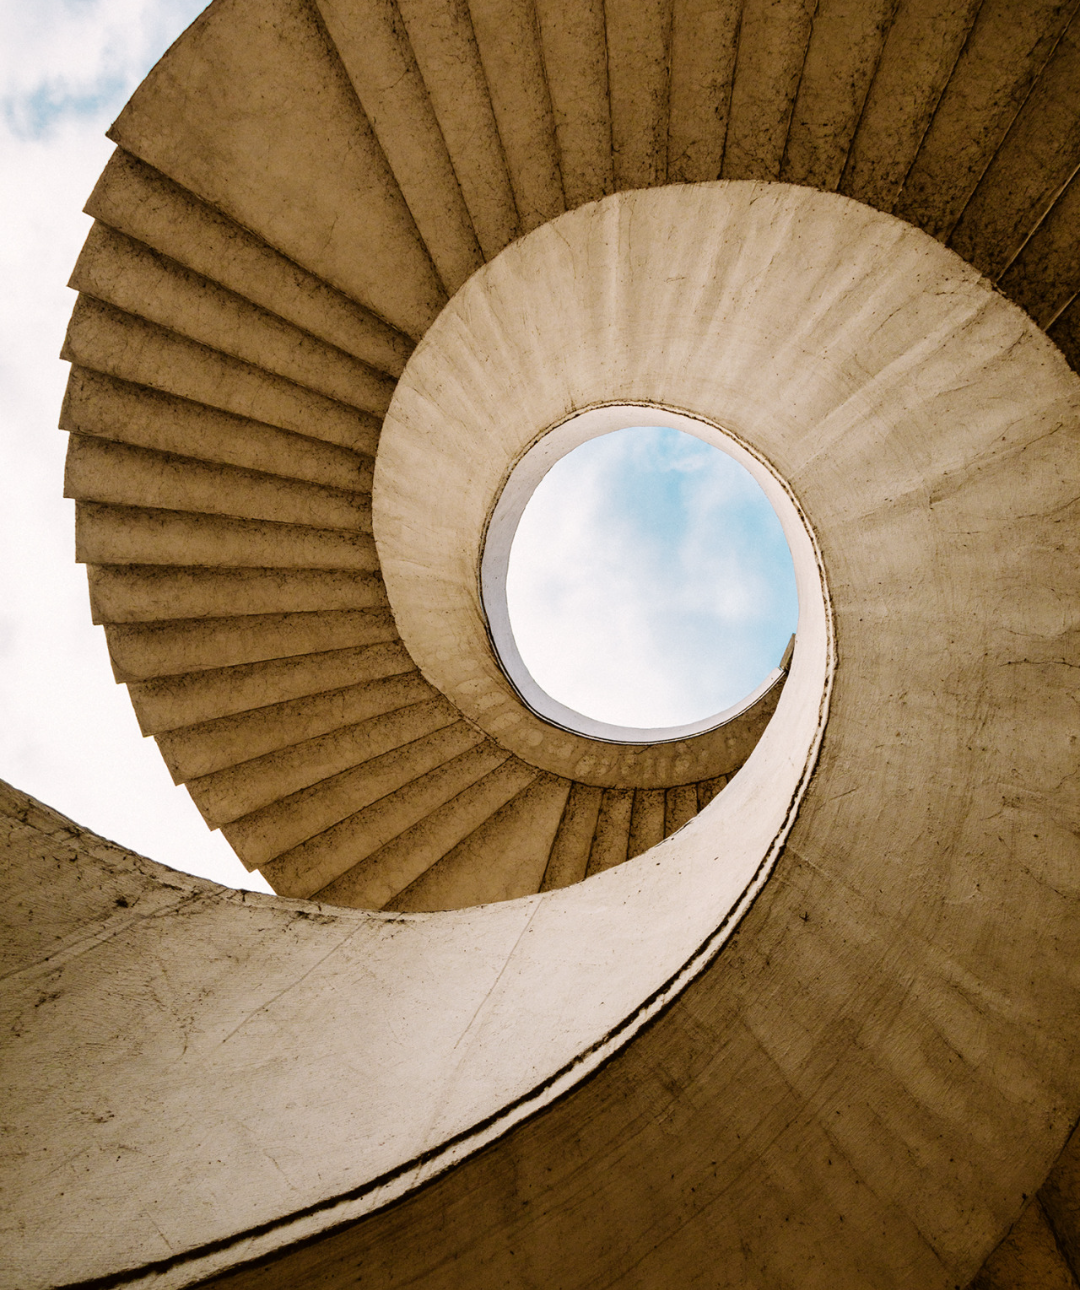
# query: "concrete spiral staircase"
[[298, 189], [255, 282]]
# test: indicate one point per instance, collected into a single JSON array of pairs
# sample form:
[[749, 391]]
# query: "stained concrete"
[[868, 1084]]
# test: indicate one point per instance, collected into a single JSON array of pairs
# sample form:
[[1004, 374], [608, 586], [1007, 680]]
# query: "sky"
[[649, 581], [68, 734]]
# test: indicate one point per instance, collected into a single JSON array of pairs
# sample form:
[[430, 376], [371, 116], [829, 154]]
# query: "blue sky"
[[650, 583]]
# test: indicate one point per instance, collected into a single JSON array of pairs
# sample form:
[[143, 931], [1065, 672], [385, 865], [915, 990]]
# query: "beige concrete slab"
[[305, 172], [97, 404], [106, 339], [444, 44], [226, 741], [136, 535], [172, 702], [503, 859], [145, 204]]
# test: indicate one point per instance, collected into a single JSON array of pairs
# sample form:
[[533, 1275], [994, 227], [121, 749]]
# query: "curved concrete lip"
[[550, 447]]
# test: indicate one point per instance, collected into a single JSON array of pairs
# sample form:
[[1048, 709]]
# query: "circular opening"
[[649, 582], [636, 579]]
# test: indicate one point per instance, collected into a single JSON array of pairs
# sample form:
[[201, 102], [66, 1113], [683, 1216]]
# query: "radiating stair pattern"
[[298, 188]]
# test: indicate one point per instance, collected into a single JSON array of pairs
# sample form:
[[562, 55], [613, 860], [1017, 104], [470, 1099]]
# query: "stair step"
[[104, 338], [845, 45], [1038, 157], [142, 651], [575, 61], [304, 171], [680, 807], [708, 789], [773, 39], [259, 837], [314, 864], [1002, 57], [637, 64], [444, 45], [127, 593], [238, 790], [381, 879], [1043, 278], [173, 702], [116, 410], [106, 534], [569, 857], [508, 37], [704, 43], [212, 745], [99, 470], [502, 859], [371, 41], [138, 200], [646, 821], [923, 45], [129, 275], [611, 841]]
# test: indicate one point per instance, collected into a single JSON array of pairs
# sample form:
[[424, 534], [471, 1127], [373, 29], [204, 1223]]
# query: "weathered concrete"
[[444, 45], [125, 273], [321, 191], [1001, 60], [138, 200], [96, 404], [863, 1090]]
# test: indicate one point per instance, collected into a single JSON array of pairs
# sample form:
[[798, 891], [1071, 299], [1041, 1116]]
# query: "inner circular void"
[[637, 585]]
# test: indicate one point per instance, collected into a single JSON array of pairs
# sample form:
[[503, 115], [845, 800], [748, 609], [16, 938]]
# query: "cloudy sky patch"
[[68, 734], [649, 581]]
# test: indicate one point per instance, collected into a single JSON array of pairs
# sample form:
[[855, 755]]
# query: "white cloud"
[[67, 732], [649, 581]]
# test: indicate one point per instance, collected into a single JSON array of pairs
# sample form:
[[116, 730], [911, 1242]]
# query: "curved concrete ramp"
[[817, 1029]]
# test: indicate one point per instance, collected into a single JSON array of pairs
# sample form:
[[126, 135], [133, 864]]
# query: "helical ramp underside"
[[790, 1002]]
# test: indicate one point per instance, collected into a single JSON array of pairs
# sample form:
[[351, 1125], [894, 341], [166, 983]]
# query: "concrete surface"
[[872, 1081]]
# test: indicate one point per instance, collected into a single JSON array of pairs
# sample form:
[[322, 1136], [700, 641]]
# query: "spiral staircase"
[[300, 190]]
